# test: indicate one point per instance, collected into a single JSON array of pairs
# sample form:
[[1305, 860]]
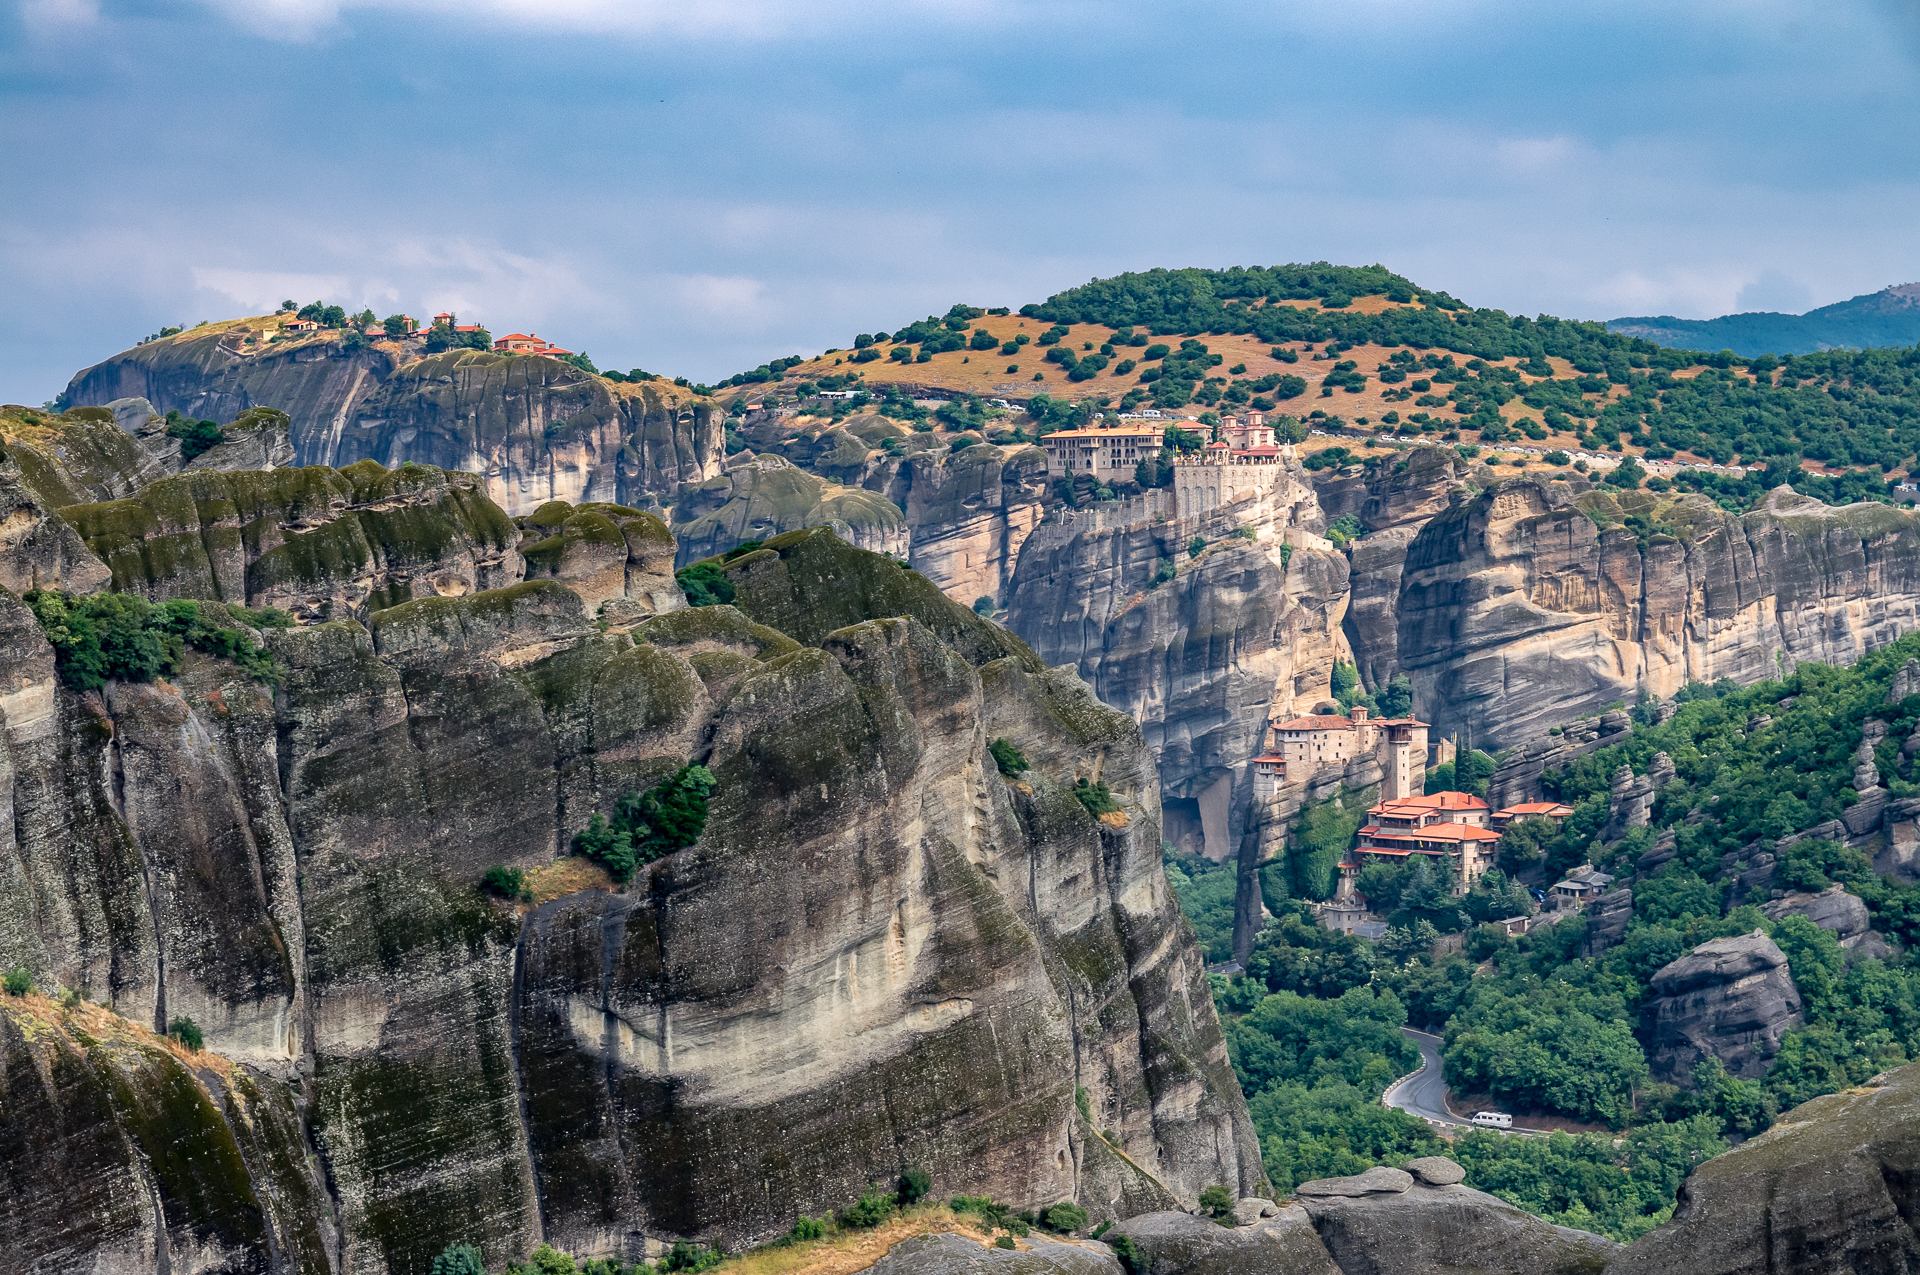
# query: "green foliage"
[[1009, 760], [1067, 1217], [122, 635], [1547, 1044], [195, 436], [506, 883], [1217, 1200], [1095, 796], [458, 1259], [704, 584], [1344, 529], [983, 605], [1585, 1181], [1196, 546], [870, 1210], [1005, 1241], [808, 1228], [187, 1032], [18, 981], [1163, 571], [1321, 835], [1206, 893], [913, 1186], [647, 826], [1468, 772], [690, 1258], [1396, 700], [1132, 1260]]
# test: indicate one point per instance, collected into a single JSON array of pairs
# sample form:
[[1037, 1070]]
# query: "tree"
[[1196, 546], [647, 826], [1006, 758], [395, 325], [458, 1259], [1217, 1200], [705, 584]]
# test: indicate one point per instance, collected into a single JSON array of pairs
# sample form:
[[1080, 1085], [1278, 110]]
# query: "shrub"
[[983, 605], [693, 1258], [1555, 458], [1005, 1241], [458, 1259], [195, 436], [647, 826], [869, 1211], [186, 1031], [1103, 1228], [122, 635], [1131, 1258], [1095, 796], [704, 584], [1217, 1200], [1065, 1217], [913, 1186], [808, 1228], [1006, 757], [1163, 571], [1196, 546], [507, 883], [18, 981]]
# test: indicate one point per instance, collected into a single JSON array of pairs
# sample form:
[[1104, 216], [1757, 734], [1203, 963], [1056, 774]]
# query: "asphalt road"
[[1424, 1093]]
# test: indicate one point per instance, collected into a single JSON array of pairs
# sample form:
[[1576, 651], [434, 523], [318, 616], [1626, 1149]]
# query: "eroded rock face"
[[881, 951], [1201, 661], [534, 429], [963, 1255], [317, 542], [1182, 1244], [1731, 999], [1517, 612], [768, 496], [119, 1154], [1830, 1188]]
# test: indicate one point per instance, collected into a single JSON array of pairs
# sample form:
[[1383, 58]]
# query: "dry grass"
[[567, 876], [39, 1017], [849, 1251]]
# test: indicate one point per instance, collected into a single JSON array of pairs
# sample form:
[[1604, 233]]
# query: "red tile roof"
[[1433, 801], [1434, 832], [1536, 808]]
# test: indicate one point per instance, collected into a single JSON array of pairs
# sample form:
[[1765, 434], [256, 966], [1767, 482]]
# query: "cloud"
[[303, 20], [265, 289]]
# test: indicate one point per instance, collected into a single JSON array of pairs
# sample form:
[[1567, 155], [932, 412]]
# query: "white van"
[[1493, 1119]]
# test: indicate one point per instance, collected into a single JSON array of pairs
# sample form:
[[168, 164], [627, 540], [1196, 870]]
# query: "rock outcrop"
[[120, 1151], [1831, 1187], [534, 429], [1832, 909], [1731, 999], [1528, 605], [1382, 1222], [880, 952], [963, 1255], [766, 496]]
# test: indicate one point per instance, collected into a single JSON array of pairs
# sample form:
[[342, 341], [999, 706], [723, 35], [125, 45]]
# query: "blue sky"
[[696, 187]]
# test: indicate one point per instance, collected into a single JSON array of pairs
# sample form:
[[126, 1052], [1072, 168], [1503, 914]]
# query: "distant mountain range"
[[1890, 316]]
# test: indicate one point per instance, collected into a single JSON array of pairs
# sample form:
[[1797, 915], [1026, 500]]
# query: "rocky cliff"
[[1530, 604], [534, 429], [1731, 999], [881, 953]]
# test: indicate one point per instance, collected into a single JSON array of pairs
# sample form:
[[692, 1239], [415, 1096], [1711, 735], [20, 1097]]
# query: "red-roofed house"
[[1553, 810], [527, 343], [1449, 828]]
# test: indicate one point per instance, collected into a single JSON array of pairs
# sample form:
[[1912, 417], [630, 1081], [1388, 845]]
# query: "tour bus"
[[1493, 1119]]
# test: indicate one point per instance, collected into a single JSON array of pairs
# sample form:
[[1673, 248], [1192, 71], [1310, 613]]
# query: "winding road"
[[1424, 1093]]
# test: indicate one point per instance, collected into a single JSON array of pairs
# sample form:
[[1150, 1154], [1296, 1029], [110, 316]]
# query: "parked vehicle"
[[1493, 1119]]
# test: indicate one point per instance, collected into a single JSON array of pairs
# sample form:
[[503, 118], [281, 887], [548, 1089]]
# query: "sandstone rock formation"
[[534, 429], [1527, 606], [880, 953], [767, 496], [1830, 1188], [963, 1255], [122, 1152], [1731, 999], [1382, 1222], [1832, 909]]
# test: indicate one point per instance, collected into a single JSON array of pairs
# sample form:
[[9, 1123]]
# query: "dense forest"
[[1544, 1023]]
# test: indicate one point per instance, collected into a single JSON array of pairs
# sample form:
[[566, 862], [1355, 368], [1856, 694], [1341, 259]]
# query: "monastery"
[[1244, 458]]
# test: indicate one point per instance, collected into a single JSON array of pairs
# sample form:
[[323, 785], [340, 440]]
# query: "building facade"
[[1450, 829], [1299, 746], [1109, 455]]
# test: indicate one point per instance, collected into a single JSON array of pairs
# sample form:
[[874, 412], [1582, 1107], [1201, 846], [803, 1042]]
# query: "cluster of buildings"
[[512, 343], [1243, 457]]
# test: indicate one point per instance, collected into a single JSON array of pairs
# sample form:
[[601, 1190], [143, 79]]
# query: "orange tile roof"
[[1122, 431], [1434, 801], [1434, 832], [1535, 808]]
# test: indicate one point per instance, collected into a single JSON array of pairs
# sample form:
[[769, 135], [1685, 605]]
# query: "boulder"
[[1436, 1170], [962, 1255], [1834, 1187], [1380, 1178], [1182, 1244], [1440, 1230], [1249, 1209], [1831, 909], [1731, 999]]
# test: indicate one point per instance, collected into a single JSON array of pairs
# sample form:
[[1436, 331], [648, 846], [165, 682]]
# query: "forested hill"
[[1890, 316]]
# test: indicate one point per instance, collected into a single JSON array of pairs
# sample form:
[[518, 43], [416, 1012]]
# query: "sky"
[[696, 187]]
